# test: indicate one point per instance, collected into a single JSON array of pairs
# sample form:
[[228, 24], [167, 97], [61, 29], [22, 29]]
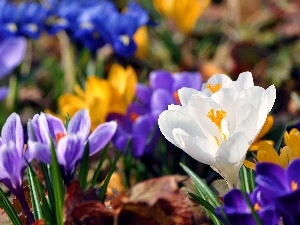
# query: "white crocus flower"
[[218, 129], [220, 81]]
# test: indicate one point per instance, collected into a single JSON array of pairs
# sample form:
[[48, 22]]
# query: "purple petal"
[[161, 79], [292, 173], [137, 110], [187, 79], [101, 136], [3, 92], [12, 130], [121, 141], [55, 125], [144, 126], [124, 122], [161, 99], [10, 164], [138, 146], [236, 209], [39, 151], [80, 124], [32, 128], [12, 51], [271, 178], [289, 207], [143, 93], [69, 152], [235, 199]]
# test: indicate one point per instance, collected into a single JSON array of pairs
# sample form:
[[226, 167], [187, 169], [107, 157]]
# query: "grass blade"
[[84, 167], [47, 179], [58, 187], [36, 206], [98, 169], [108, 176], [204, 191], [247, 179], [9, 209], [47, 211]]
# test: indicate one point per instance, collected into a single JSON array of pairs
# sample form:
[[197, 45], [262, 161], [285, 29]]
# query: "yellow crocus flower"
[[142, 41], [266, 152], [102, 96], [184, 13]]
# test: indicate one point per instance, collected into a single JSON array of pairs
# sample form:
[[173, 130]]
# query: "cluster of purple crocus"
[[90, 23], [276, 198], [139, 126], [46, 131]]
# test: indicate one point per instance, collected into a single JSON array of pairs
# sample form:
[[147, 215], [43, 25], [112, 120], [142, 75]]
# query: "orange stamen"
[[176, 97], [59, 136], [133, 116], [214, 88], [257, 207], [294, 185], [216, 116]]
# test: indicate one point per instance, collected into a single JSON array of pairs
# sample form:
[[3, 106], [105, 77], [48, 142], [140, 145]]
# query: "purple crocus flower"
[[45, 129], [139, 125], [280, 187], [237, 210], [135, 126], [12, 51], [13, 159], [163, 87]]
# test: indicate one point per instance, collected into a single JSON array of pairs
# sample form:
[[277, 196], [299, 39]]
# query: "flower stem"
[[22, 199]]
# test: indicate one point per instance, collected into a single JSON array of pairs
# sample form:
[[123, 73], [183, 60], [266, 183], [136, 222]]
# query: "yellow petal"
[[265, 129], [142, 41], [195, 8], [123, 83], [69, 103], [285, 156], [98, 110], [266, 153], [98, 87], [249, 164], [184, 13]]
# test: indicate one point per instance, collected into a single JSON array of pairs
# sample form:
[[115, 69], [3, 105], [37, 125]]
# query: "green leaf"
[[108, 176], [58, 187], [98, 169], [202, 202], [203, 189], [47, 212], [45, 169], [36, 206], [247, 179], [84, 167], [67, 121], [9, 209]]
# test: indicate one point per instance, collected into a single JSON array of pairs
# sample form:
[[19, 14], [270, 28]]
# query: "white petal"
[[222, 79], [198, 108], [170, 120], [244, 81], [233, 149], [227, 98], [271, 93], [197, 147], [185, 93], [246, 121]]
